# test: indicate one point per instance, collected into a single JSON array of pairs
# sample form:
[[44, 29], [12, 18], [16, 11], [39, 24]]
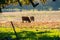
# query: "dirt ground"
[[51, 19], [36, 25]]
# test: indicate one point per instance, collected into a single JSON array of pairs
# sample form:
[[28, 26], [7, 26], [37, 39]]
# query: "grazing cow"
[[32, 18], [25, 18]]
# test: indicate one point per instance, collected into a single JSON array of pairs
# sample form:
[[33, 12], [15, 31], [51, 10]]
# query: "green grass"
[[24, 34]]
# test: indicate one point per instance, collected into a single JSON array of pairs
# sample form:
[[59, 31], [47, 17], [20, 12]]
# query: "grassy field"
[[30, 31], [42, 34]]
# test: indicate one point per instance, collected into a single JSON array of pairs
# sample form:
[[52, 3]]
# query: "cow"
[[25, 18], [32, 18]]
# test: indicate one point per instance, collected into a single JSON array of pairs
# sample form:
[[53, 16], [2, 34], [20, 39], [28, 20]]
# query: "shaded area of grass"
[[29, 35]]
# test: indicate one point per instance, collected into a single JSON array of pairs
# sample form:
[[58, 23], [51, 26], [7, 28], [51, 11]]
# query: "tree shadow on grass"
[[49, 38], [28, 35]]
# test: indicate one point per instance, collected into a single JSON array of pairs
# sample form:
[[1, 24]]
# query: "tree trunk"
[[0, 10], [19, 3]]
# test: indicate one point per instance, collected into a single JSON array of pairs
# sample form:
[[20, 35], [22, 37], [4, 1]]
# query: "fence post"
[[14, 30]]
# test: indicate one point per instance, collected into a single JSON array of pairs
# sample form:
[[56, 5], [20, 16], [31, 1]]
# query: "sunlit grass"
[[32, 34], [53, 31]]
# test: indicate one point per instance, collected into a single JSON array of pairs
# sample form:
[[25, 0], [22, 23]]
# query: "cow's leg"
[[29, 21]]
